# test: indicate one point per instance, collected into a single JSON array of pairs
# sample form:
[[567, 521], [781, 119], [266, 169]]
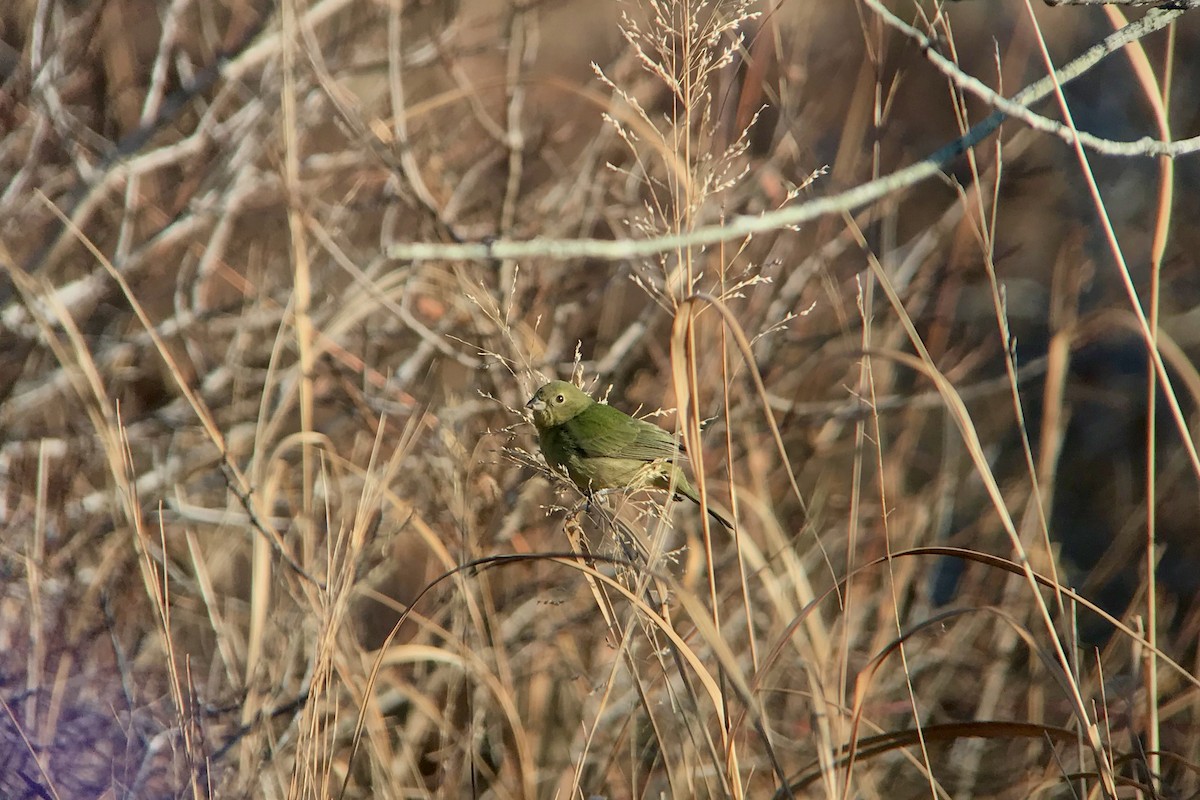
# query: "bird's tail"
[[685, 489]]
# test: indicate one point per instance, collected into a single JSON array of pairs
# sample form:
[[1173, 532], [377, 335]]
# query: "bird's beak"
[[535, 404]]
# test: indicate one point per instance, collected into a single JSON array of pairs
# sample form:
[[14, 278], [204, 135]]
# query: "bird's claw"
[[594, 494]]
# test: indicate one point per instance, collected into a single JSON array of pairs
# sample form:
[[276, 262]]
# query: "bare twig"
[[743, 226], [1144, 147]]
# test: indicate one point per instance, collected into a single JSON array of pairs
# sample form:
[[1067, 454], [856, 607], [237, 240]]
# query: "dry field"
[[277, 278]]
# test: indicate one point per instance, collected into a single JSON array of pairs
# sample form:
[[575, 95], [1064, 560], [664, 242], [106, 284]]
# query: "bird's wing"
[[602, 431]]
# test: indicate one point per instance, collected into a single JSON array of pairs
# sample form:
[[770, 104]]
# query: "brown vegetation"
[[274, 524]]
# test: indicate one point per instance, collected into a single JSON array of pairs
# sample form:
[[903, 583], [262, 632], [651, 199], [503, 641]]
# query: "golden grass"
[[275, 525]]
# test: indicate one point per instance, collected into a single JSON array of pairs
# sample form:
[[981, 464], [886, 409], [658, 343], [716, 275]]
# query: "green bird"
[[603, 448]]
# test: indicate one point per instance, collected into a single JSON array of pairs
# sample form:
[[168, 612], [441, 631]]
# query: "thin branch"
[[1144, 147], [1182, 5], [743, 226]]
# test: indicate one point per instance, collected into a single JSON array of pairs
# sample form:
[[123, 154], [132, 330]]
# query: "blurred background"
[[243, 450]]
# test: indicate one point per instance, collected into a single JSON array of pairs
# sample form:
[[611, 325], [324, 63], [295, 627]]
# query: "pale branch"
[[791, 216]]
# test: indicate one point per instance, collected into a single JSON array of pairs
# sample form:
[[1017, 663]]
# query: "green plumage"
[[603, 448]]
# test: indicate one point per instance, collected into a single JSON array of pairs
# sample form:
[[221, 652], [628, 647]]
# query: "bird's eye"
[[559, 399]]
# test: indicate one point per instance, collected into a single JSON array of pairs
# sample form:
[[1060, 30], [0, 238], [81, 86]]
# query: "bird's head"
[[557, 402]]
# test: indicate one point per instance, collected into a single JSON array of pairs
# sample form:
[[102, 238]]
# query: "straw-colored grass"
[[275, 524]]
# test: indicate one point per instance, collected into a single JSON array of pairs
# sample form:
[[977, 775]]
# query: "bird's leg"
[[595, 494], [578, 507]]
